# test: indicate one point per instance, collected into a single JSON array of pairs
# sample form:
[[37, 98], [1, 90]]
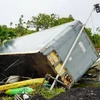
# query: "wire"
[[93, 28]]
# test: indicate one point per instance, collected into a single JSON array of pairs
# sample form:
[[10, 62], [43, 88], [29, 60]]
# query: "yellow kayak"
[[22, 83]]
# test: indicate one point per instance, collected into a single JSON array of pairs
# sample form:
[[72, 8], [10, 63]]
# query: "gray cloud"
[[80, 9]]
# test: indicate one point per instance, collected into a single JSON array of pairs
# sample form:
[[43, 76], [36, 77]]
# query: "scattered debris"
[[58, 51], [26, 97], [36, 81], [49, 58], [12, 79], [17, 97]]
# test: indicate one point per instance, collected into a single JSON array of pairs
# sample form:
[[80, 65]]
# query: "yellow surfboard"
[[22, 83]]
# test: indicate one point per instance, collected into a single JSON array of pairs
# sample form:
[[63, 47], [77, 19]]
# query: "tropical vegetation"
[[37, 23]]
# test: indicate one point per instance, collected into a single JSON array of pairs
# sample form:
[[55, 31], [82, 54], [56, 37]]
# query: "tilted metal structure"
[[44, 52]]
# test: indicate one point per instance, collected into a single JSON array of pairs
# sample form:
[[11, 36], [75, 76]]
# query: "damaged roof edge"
[[14, 53]]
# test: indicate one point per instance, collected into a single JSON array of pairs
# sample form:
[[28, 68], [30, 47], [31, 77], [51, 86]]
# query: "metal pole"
[[57, 80], [66, 59]]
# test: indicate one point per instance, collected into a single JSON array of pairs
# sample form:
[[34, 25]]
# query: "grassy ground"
[[86, 85], [45, 92]]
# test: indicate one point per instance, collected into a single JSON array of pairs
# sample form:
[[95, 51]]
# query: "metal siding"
[[79, 61], [64, 48]]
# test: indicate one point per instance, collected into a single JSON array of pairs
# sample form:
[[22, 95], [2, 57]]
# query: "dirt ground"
[[89, 93]]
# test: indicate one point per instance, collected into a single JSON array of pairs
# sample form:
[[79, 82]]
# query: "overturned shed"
[[43, 52]]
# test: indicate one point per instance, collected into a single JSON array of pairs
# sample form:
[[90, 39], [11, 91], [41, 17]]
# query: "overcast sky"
[[11, 10]]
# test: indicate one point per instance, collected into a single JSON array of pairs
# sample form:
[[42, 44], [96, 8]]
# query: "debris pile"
[[58, 51]]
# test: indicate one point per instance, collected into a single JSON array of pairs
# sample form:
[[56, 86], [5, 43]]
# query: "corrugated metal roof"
[[33, 43], [44, 52]]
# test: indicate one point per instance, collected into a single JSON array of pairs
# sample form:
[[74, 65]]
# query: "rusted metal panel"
[[67, 80]]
